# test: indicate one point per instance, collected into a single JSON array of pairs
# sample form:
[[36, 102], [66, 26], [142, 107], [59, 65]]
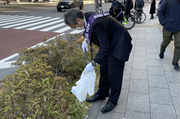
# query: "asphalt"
[[151, 86]]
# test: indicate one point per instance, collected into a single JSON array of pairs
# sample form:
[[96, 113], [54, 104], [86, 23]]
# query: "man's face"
[[80, 23]]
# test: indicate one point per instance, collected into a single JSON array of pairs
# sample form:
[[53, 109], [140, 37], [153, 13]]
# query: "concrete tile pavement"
[[150, 88]]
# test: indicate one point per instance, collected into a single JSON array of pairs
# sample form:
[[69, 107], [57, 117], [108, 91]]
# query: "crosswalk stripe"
[[14, 16], [4, 20], [11, 15], [34, 23], [15, 20], [26, 22], [52, 27], [18, 21], [25, 26], [47, 24], [63, 29]]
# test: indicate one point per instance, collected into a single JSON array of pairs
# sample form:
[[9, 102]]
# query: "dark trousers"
[[111, 74], [152, 17], [127, 11], [167, 36]]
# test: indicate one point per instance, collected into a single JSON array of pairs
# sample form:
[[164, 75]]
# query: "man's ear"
[[78, 20]]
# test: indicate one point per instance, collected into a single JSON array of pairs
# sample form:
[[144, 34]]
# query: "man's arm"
[[101, 32], [162, 12]]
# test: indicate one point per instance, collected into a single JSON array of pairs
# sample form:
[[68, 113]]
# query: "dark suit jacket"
[[111, 37]]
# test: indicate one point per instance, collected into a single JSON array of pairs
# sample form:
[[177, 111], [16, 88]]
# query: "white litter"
[[85, 86]]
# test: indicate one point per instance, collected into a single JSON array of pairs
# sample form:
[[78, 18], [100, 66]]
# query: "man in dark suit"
[[114, 49]]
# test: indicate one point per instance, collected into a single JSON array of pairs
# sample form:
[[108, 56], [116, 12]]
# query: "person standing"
[[169, 17], [152, 9], [139, 4], [114, 44], [129, 6]]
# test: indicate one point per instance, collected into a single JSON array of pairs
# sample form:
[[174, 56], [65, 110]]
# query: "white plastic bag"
[[84, 86]]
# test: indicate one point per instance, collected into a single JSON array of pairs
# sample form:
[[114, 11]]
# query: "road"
[[25, 25]]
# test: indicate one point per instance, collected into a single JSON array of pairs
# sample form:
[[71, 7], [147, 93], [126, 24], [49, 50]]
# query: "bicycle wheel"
[[132, 12], [128, 22], [139, 18]]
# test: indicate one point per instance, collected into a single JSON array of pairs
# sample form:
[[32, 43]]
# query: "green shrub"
[[41, 88]]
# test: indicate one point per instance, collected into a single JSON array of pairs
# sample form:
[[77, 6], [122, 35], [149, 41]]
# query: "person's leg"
[[166, 40], [152, 16], [177, 47], [138, 16], [104, 82], [104, 86], [127, 13], [115, 71]]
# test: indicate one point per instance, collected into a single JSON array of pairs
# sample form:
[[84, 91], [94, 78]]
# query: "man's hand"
[[88, 68], [84, 46]]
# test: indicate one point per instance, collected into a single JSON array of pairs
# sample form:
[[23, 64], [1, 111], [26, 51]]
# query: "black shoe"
[[176, 66], [108, 107], [95, 98], [161, 55]]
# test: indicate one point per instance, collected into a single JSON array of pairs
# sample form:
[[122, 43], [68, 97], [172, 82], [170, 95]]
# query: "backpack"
[[139, 3], [130, 4]]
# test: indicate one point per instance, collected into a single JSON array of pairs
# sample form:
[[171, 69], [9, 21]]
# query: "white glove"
[[88, 68], [84, 46]]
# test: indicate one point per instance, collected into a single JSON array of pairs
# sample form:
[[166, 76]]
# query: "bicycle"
[[139, 17], [128, 21]]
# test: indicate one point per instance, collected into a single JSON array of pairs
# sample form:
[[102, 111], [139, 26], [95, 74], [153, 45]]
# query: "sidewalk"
[[151, 86]]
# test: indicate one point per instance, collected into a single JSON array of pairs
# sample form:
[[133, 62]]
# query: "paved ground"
[[151, 85]]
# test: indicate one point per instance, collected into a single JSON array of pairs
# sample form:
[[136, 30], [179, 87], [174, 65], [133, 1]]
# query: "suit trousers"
[[167, 36], [111, 76]]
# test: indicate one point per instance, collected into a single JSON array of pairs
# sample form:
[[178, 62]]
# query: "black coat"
[[153, 7], [111, 37]]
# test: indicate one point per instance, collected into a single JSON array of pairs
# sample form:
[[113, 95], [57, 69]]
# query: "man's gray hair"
[[71, 15]]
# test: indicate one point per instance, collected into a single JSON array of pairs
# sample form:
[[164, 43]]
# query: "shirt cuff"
[[87, 40]]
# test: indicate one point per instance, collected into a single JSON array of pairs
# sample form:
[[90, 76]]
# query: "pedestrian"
[[116, 10], [139, 4], [169, 17], [129, 6], [114, 44], [152, 9]]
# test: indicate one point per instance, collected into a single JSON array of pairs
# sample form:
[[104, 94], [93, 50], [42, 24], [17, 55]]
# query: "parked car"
[[5, 2], [68, 4]]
